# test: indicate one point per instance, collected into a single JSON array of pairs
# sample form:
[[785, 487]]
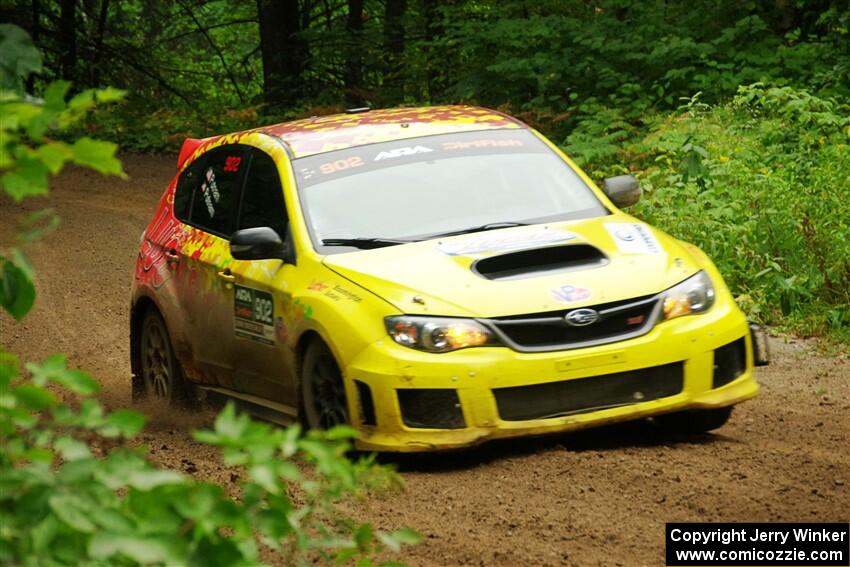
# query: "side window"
[[215, 198], [189, 180], [262, 203]]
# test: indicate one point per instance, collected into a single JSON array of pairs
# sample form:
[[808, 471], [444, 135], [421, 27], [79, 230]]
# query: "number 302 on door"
[[253, 315]]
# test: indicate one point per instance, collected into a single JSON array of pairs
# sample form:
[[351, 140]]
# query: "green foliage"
[[557, 64], [142, 128], [630, 58], [599, 138], [63, 504], [17, 290], [759, 184], [20, 58], [29, 156]]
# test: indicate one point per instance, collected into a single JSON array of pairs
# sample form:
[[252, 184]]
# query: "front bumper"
[[381, 380]]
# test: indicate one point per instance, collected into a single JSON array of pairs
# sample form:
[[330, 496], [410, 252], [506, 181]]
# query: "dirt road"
[[598, 497]]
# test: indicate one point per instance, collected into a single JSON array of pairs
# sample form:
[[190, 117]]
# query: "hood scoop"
[[539, 262]]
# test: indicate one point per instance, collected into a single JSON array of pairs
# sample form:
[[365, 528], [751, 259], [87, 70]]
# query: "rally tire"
[[694, 422], [160, 376], [323, 400]]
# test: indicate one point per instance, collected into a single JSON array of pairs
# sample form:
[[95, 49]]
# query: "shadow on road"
[[606, 438]]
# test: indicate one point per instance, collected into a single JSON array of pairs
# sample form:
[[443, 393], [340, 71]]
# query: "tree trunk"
[[284, 54], [787, 15], [36, 36], [98, 43], [353, 58], [394, 50], [205, 32], [68, 40], [433, 30]]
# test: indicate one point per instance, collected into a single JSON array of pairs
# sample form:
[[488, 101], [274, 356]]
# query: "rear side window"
[[215, 199], [189, 180], [262, 203]]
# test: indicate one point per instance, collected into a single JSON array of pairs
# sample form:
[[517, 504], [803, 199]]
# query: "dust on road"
[[595, 497]]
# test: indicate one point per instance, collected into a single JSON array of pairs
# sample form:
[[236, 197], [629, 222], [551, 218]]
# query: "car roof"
[[339, 131]]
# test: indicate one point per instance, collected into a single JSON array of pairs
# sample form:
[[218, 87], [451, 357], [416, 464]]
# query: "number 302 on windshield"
[[253, 315]]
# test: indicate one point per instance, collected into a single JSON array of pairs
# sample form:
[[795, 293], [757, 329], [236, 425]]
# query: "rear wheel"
[[323, 401], [695, 421], [159, 369]]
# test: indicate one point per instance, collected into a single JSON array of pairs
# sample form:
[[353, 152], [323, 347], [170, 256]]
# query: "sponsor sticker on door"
[[253, 315]]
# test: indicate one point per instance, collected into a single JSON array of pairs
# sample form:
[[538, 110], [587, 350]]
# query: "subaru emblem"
[[581, 317]]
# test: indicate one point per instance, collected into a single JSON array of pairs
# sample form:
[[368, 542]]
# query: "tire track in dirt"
[[598, 497]]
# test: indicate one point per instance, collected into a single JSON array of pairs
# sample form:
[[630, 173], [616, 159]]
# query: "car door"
[[260, 361], [204, 279]]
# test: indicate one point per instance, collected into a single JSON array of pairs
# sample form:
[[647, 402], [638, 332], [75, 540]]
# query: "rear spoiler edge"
[[189, 147]]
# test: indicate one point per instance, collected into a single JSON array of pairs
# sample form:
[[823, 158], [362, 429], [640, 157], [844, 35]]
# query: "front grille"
[[549, 331], [430, 408], [730, 361], [554, 399]]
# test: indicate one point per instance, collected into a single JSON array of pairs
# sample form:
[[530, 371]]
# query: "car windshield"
[[406, 190]]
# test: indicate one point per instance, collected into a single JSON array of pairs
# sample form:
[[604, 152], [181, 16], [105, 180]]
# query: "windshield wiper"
[[364, 243], [481, 228]]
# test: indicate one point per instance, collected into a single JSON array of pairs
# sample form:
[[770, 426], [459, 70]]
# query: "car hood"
[[511, 271]]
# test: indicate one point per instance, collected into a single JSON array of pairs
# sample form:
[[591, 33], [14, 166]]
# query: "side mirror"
[[623, 190], [261, 243]]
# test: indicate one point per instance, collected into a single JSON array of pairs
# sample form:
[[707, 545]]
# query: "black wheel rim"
[[328, 393], [157, 369]]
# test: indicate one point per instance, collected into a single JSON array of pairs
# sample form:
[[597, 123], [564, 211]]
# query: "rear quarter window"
[[208, 191], [186, 184], [215, 199]]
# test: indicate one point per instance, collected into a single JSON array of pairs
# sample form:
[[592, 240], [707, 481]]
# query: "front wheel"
[[323, 401], [695, 421], [159, 370]]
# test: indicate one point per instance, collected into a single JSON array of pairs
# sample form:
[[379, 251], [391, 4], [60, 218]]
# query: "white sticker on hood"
[[510, 241], [634, 238]]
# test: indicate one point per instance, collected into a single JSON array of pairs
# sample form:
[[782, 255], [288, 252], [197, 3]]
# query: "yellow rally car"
[[435, 277]]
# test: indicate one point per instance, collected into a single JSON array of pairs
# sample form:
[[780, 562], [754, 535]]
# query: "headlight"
[[438, 334], [694, 295]]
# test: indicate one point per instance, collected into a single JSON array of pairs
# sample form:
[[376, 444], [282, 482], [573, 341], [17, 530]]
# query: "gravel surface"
[[598, 497]]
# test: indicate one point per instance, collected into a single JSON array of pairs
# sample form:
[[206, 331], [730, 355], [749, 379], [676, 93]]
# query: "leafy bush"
[[62, 504], [759, 184], [141, 128], [632, 58], [28, 157]]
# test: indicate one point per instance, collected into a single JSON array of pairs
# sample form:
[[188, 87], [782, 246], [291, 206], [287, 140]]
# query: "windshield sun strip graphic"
[[313, 170]]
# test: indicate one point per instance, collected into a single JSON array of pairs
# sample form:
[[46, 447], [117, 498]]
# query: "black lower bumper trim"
[[730, 361], [431, 408], [553, 399], [367, 405]]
